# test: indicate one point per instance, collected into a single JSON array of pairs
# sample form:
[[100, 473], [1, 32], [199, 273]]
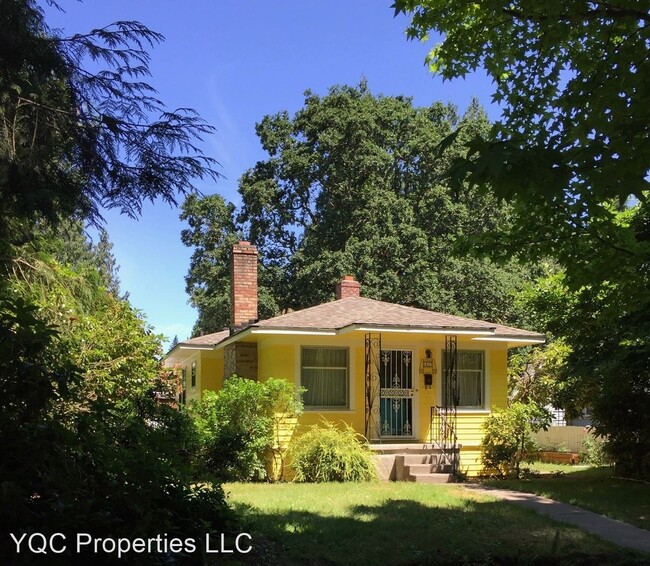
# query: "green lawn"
[[559, 469], [404, 523], [590, 488]]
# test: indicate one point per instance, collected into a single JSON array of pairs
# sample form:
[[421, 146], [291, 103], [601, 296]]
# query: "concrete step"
[[417, 459], [405, 448], [419, 469], [428, 468], [431, 478], [433, 459]]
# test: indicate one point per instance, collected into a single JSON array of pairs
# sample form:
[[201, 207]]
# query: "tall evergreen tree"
[[77, 363], [73, 141]]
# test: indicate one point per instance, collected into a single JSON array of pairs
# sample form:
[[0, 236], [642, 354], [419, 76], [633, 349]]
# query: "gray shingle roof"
[[351, 311], [339, 314], [206, 339]]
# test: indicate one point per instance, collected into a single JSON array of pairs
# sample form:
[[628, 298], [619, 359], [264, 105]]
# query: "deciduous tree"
[[353, 184], [571, 155]]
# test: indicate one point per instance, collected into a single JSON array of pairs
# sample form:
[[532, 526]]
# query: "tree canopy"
[[87, 447], [571, 155], [74, 140], [354, 185], [572, 145]]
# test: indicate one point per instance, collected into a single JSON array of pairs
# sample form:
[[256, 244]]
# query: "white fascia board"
[[197, 347], [302, 332], [233, 338], [273, 331], [518, 341], [416, 330]]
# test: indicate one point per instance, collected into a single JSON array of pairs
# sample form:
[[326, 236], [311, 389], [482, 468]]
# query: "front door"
[[396, 393]]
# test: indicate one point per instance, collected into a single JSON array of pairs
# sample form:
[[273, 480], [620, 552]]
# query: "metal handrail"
[[443, 434]]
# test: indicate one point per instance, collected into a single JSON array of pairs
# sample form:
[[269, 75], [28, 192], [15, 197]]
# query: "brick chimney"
[[243, 284], [348, 287]]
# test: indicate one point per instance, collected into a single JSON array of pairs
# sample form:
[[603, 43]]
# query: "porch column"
[[372, 369]]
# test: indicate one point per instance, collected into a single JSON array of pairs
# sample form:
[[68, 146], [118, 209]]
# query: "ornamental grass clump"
[[327, 453]]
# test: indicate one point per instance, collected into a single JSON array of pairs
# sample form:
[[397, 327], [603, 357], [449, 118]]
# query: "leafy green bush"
[[508, 438], [328, 453], [237, 426], [594, 451], [79, 463]]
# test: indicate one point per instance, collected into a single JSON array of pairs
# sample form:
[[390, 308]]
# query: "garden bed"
[[553, 457]]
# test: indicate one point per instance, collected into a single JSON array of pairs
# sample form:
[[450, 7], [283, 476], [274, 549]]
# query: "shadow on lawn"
[[407, 532]]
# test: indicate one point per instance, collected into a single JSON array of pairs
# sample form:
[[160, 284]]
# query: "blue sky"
[[234, 62]]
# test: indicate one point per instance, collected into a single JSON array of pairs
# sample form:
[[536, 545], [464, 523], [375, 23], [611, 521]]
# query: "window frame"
[[484, 380], [193, 375], [336, 408]]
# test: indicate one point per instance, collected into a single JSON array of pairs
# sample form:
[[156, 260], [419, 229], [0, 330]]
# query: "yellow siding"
[[284, 430], [469, 428], [498, 375], [470, 461], [211, 374], [279, 357], [275, 360]]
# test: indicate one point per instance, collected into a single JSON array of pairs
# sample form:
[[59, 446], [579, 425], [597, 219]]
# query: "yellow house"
[[416, 383]]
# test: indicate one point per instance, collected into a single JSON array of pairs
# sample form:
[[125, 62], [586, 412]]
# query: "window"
[[182, 394], [193, 375], [324, 374], [470, 369]]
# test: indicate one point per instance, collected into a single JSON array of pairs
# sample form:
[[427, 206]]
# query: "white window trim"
[[350, 378]]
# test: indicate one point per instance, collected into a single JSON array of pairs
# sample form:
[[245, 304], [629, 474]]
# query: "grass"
[[404, 523], [590, 488], [557, 469]]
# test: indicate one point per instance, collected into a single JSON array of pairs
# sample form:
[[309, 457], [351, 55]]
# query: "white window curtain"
[[471, 383], [324, 374]]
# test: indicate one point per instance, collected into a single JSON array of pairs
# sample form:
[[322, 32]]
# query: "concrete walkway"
[[617, 532]]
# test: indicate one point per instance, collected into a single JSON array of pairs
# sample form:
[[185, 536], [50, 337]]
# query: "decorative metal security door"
[[396, 393]]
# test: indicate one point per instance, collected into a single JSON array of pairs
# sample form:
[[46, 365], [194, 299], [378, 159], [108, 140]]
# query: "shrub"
[[554, 447], [237, 426], [508, 438], [109, 467], [594, 452], [327, 453]]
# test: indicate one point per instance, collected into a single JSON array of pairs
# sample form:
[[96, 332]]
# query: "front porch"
[[395, 428]]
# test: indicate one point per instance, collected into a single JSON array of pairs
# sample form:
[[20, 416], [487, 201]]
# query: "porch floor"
[[405, 447]]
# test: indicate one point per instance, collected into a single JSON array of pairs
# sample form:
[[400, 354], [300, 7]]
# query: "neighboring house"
[[399, 375], [559, 418]]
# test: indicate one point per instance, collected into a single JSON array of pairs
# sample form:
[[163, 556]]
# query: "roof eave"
[[514, 341], [356, 327], [415, 329]]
